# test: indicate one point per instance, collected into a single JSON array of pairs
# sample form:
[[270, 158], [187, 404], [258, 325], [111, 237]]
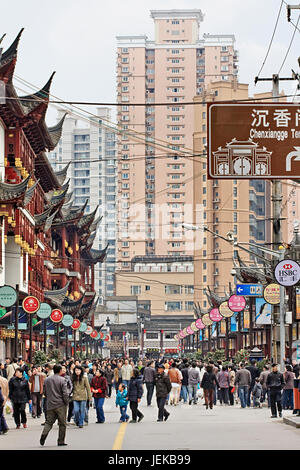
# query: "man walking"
[[36, 381], [194, 380], [57, 395], [275, 383], [149, 379], [163, 388], [243, 381], [126, 372]]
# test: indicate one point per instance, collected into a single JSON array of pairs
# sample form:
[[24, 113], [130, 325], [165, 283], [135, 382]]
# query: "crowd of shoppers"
[[66, 391]]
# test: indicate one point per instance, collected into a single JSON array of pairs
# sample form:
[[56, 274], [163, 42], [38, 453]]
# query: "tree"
[[39, 358], [55, 355]]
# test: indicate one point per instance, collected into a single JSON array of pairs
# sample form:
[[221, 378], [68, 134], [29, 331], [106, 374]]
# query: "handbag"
[[8, 407]]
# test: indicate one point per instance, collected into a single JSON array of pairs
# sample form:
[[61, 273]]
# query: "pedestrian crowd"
[[67, 390]]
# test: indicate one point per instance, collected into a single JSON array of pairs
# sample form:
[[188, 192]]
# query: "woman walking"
[[209, 383], [98, 389], [81, 393], [135, 393]]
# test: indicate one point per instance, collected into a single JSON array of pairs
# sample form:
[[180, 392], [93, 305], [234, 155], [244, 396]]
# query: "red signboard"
[[56, 315], [76, 324], [253, 140], [94, 334], [31, 304]]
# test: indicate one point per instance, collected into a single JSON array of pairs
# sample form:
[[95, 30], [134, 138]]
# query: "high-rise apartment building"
[[155, 150], [89, 147]]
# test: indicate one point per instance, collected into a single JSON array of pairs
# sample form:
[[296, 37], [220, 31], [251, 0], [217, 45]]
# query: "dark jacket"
[[254, 371], [56, 392], [163, 385], [209, 381], [149, 375], [275, 381], [109, 375], [99, 383], [19, 390], [135, 389], [185, 375]]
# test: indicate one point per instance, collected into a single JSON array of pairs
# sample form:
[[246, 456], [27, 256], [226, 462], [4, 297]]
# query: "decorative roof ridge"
[[56, 131], [12, 51], [29, 193], [61, 174]]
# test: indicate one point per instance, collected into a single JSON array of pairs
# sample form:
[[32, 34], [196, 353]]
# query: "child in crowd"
[[256, 393], [122, 402]]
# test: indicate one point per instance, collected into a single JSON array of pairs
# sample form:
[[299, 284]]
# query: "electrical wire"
[[290, 45], [272, 38]]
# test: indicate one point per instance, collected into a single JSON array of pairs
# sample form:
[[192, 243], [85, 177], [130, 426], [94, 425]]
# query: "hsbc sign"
[[287, 272]]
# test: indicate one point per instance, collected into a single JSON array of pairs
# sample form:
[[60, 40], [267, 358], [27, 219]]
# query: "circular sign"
[[8, 296], [94, 334], [215, 315], [176, 337], [67, 320], [225, 310], [44, 311], [184, 331], [101, 335], [237, 303], [193, 327], [287, 272], [199, 324], [56, 315], [31, 304], [89, 330], [206, 320], [76, 324], [181, 334], [107, 338], [189, 330], [83, 327], [272, 294]]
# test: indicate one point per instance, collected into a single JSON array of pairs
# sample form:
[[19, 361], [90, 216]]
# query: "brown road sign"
[[257, 140]]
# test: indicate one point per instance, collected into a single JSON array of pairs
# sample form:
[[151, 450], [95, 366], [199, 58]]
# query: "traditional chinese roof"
[[93, 256], [73, 215], [57, 296], [253, 274], [71, 306], [14, 192], [27, 112], [29, 193], [85, 308], [87, 220], [214, 299], [62, 174]]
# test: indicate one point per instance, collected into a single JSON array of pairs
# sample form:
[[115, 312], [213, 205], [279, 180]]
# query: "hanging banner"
[[233, 324], [206, 320], [223, 328], [246, 319], [67, 320], [44, 311], [263, 312], [224, 310], [83, 327], [89, 330], [31, 304], [8, 296], [56, 315], [76, 324], [237, 303], [272, 294], [215, 315], [297, 303], [199, 324]]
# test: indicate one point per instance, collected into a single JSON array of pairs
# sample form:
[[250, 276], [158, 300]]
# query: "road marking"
[[120, 436]]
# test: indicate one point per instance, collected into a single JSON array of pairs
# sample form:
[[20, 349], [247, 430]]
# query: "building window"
[[135, 290]]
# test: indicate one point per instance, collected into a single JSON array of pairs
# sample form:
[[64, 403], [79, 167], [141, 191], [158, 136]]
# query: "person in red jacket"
[[98, 389]]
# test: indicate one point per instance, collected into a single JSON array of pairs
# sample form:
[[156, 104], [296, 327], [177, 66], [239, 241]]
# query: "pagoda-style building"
[[45, 241]]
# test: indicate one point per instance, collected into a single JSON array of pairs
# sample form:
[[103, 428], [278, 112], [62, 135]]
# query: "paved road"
[[189, 428]]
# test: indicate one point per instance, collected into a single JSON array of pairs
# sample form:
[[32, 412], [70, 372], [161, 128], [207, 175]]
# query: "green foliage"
[[217, 355], [241, 356], [39, 358], [55, 355]]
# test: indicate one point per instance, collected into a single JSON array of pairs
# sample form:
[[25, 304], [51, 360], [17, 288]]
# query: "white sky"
[[77, 39]]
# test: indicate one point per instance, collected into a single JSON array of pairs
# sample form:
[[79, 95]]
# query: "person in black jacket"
[[163, 388], [275, 383], [254, 371], [19, 394], [135, 393], [209, 383]]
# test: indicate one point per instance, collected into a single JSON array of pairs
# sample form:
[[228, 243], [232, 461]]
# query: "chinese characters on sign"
[[258, 141]]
